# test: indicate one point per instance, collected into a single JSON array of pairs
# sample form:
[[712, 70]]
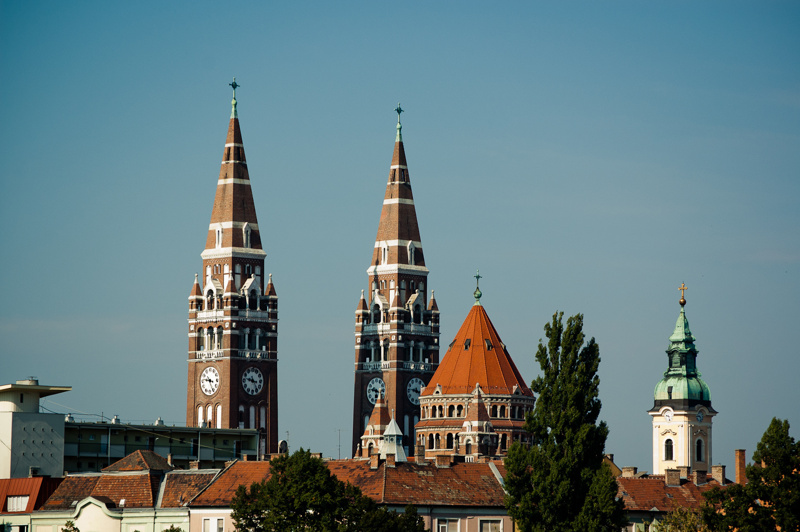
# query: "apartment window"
[[447, 525], [493, 525], [206, 525], [220, 525], [17, 503]]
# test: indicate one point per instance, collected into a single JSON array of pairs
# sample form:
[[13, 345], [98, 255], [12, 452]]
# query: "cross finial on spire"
[[398, 110], [477, 293], [683, 289], [234, 112]]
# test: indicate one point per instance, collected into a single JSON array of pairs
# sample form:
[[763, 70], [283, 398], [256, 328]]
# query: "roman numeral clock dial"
[[252, 380]]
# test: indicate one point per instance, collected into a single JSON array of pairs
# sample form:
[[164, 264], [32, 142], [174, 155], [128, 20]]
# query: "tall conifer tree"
[[558, 481]]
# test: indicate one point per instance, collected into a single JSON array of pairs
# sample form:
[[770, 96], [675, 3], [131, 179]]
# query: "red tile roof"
[[141, 461], [461, 484], [647, 493], [477, 355], [136, 479], [38, 489], [181, 486]]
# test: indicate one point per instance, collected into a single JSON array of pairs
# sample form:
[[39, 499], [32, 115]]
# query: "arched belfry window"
[[246, 235], [699, 454], [411, 250], [668, 450], [218, 240]]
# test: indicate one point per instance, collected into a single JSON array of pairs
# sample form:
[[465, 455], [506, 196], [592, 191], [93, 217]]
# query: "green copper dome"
[[682, 381]]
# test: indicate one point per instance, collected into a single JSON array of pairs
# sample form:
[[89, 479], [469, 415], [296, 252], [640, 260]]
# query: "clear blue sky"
[[587, 157]]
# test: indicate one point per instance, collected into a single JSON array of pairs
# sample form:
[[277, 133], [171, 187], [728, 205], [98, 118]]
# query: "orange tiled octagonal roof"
[[477, 355]]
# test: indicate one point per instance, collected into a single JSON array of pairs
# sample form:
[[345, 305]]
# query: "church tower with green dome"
[[682, 411]]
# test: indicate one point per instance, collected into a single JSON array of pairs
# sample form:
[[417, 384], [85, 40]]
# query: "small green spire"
[[399, 137], [477, 293], [234, 112]]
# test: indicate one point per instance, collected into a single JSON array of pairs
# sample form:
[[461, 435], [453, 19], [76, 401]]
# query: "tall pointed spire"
[[233, 324], [397, 334]]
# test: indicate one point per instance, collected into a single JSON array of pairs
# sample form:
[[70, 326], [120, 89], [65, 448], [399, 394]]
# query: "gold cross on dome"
[[683, 289]]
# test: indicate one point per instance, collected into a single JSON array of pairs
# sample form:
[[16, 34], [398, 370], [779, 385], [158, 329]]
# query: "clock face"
[[209, 381], [699, 416], [413, 389], [668, 415], [252, 380], [375, 389]]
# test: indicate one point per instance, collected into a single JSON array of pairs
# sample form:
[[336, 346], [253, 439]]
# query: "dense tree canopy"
[[302, 494], [559, 481], [771, 498]]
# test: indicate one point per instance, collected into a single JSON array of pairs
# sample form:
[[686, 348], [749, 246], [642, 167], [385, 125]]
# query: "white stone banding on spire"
[[234, 144], [404, 201], [398, 243], [232, 225], [233, 181]]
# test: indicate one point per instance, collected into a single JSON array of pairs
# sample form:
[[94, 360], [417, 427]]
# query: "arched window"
[[252, 417], [209, 411], [437, 442], [430, 441], [449, 441], [241, 417], [503, 442], [218, 243], [246, 235], [460, 410], [451, 410], [502, 411], [251, 340], [699, 456], [441, 411], [668, 450], [262, 417], [494, 411], [219, 337], [200, 416], [411, 253], [208, 274], [219, 416], [468, 447], [376, 314], [201, 336]]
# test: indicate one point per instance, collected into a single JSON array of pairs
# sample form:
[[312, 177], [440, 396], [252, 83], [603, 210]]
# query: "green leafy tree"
[[682, 520], [558, 482], [302, 494], [69, 526], [771, 498]]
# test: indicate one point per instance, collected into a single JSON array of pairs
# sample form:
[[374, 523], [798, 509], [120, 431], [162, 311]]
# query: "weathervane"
[[683, 289], [477, 292], [234, 85], [398, 110]]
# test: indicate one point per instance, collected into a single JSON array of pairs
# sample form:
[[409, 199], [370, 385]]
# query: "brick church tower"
[[397, 330], [233, 314]]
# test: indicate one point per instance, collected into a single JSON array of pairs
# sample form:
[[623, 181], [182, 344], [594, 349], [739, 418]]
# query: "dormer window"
[[467, 343]]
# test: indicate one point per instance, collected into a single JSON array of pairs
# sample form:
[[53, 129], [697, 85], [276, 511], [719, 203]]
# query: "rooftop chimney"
[[629, 472], [718, 473], [442, 460], [741, 463], [194, 464], [390, 457], [672, 477], [699, 477], [685, 470], [374, 461]]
